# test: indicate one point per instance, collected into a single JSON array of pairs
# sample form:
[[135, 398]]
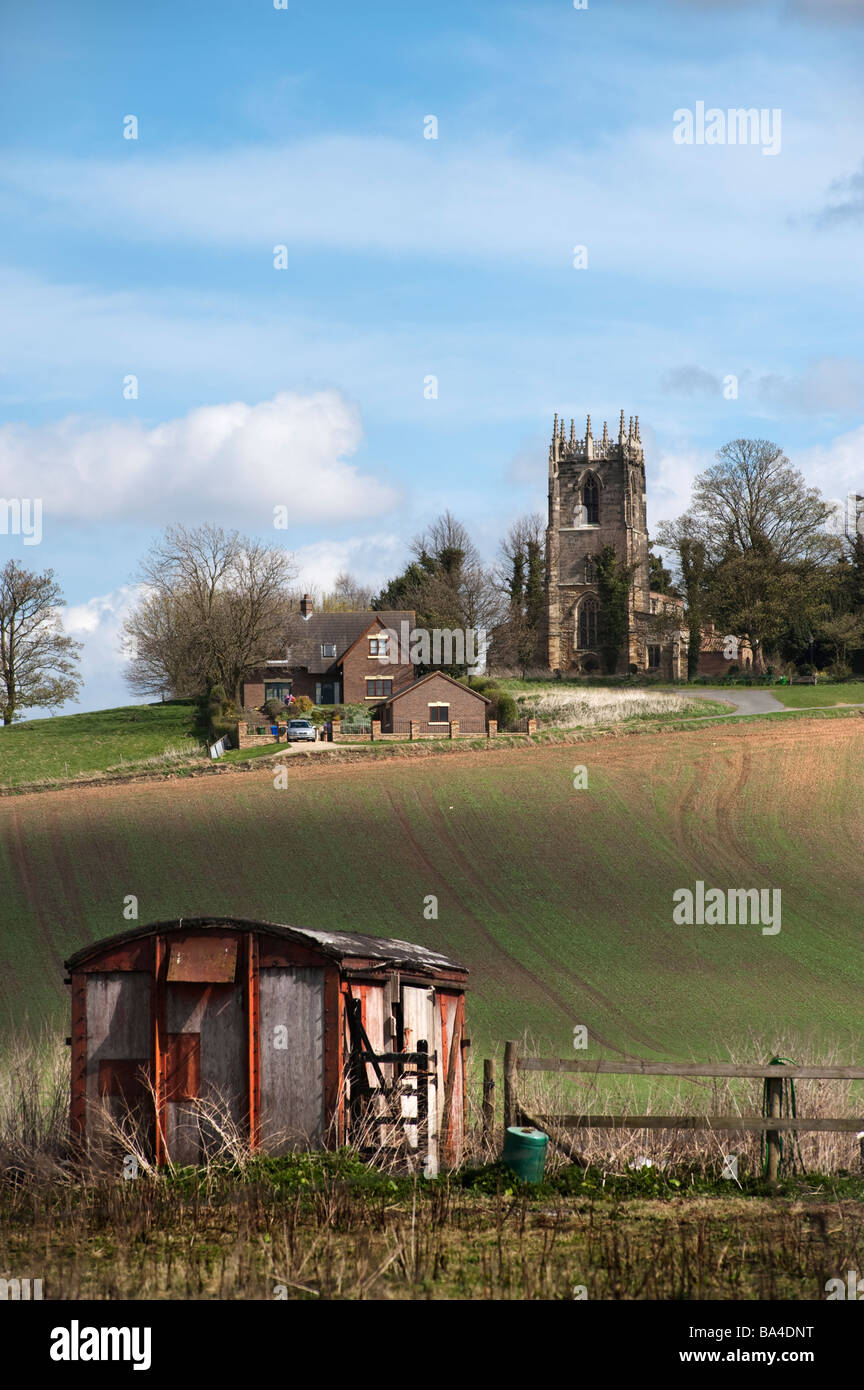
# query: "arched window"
[[586, 623], [590, 501]]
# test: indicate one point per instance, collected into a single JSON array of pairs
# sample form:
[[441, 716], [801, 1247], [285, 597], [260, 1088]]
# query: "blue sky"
[[407, 258]]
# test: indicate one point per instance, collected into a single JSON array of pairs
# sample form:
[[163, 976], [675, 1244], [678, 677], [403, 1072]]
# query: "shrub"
[[507, 709], [302, 705], [275, 709]]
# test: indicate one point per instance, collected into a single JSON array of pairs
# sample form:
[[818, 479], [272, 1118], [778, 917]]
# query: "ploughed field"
[[559, 900]]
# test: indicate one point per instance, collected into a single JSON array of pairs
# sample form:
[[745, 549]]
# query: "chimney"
[[306, 607]]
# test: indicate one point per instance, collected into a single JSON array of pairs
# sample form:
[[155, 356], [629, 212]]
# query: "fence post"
[[241, 733], [423, 1096], [492, 728], [488, 1100], [375, 730], [772, 1136], [335, 728], [454, 728], [511, 1082], [413, 728]]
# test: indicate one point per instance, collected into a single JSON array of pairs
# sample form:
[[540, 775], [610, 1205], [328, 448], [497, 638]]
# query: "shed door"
[[292, 1057], [418, 1025]]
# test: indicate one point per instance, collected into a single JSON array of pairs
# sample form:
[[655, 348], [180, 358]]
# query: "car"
[[301, 729]]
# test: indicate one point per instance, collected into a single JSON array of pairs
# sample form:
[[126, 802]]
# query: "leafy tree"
[[38, 662], [446, 584]]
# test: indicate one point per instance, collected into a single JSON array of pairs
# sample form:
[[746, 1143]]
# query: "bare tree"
[[37, 660], [214, 607], [347, 595], [753, 499]]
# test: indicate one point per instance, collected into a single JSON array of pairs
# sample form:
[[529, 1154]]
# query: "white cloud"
[[227, 462], [371, 559], [706, 214], [836, 468], [97, 623]]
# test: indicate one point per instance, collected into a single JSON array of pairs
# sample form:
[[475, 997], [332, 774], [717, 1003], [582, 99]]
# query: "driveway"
[[745, 699]]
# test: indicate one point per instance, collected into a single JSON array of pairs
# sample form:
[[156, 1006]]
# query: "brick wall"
[[465, 705]]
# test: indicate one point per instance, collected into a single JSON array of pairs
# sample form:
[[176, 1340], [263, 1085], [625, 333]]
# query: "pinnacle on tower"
[[588, 428], [605, 433], [637, 428], [572, 431], [621, 429], [630, 435], [555, 426]]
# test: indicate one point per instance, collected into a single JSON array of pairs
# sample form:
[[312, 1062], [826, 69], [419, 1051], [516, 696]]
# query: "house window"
[[653, 658], [375, 689], [277, 690], [586, 624], [379, 646], [590, 502], [439, 714], [328, 649]]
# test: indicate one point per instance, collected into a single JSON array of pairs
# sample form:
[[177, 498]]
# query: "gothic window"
[[586, 623], [628, 508], [590, 501], [653, 658]]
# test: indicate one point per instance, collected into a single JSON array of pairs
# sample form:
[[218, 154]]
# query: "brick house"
[[335, 659], [434, 702]]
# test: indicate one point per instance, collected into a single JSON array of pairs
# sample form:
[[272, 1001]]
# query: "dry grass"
[[700, 1151], [569, 709]]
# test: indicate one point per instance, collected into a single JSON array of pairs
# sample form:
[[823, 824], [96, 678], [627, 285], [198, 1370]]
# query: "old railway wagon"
[[286, 1036]]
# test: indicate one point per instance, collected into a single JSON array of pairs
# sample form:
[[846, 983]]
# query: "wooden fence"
[[773, 1125]]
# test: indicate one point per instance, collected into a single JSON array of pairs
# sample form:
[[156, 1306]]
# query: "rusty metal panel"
[[291, 1007], [131, 955], [217, 1012], [183, 1066], [203, 959], [126, 1078]]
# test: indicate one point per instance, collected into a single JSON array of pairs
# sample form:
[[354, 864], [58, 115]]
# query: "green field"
[[72, 744], [559, 900], [818, 696]]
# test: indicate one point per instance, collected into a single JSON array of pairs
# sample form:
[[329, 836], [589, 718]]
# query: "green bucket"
[[525, 1152]]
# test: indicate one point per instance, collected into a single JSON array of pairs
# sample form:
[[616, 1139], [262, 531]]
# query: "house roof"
[[336, 945], [432, 675], [306, 636]]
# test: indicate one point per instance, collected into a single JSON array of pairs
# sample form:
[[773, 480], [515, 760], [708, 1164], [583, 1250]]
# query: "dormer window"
[[328, 649]]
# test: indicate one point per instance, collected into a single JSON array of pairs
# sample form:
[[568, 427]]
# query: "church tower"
[[596, 498]]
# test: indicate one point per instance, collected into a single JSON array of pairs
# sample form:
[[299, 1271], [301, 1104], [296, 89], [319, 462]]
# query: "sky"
[[337, 268]]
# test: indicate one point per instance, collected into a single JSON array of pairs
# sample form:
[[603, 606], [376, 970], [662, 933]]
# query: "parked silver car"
[[301, 729]]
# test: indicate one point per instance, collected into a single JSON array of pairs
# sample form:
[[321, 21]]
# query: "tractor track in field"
[[503, 908]]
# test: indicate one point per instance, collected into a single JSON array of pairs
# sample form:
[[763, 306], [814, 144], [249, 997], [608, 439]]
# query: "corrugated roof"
[[336, 945], [306, 636]]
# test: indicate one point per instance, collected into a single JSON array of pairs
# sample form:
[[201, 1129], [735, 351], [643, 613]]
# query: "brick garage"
[[435, 702]]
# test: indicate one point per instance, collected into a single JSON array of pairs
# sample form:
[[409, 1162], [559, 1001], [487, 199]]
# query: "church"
[[597, 498]]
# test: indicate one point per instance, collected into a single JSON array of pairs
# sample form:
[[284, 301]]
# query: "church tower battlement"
[[596, 498]]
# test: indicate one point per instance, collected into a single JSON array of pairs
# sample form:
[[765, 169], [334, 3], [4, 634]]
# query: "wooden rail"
[[772, 1125]]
